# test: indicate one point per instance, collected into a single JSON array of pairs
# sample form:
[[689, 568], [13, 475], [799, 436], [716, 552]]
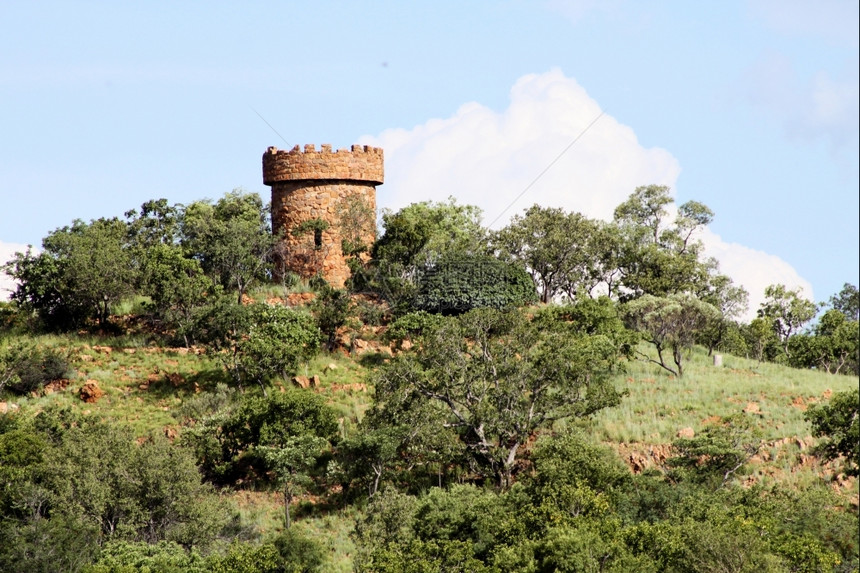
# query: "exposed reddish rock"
[[687, 433], [90, 392]]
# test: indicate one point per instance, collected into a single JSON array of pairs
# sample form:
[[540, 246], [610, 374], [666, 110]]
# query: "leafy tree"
[[832, 345], [761, 339], [839, 423], [25, 368], [82, 270], [332, 308], [718, 452], [292, 462], [232, 239], [421, 232], [239, 444], [670, 323], [157, 223], [564, 252], [847, 301], [731, 301], [257, 342], [787, 311], [498, 379], [657, 257], [418, 235], [177, 286]]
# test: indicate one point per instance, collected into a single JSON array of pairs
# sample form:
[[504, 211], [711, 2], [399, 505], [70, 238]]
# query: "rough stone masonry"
[[310, 187]]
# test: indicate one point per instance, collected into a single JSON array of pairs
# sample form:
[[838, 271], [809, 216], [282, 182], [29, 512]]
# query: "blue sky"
[[749, 106]]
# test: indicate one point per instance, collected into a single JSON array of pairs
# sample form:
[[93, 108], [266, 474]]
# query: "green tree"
[[670, 323], [658, 257], [847, 301], [258, 342], [232, 239], [82, 270], [564, 252], [459, 282], [177, 287], [498, 378], [787, 311], [732, 302], [332, 309], [832, 346], [839, 423], [416, 236]]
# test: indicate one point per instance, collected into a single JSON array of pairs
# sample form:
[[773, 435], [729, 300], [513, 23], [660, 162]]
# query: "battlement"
[[361, 163]]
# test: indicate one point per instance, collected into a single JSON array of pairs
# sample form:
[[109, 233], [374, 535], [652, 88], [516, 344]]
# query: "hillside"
[[129, 380]]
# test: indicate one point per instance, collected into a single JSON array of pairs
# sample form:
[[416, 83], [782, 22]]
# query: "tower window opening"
[[318, 238]]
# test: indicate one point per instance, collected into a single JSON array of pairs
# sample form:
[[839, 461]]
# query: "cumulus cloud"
[[487, 158], [7, 251], [495, 159]]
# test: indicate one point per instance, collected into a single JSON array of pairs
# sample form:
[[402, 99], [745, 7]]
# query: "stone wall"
[[312, 184]]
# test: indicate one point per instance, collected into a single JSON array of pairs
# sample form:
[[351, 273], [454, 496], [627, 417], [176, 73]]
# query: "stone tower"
[[312, 194]]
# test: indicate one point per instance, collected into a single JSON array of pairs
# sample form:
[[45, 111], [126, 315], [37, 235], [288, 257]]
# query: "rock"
[[56, 386], [315, 381], [687, 433], [176, 378], [329, 367], [302, 381], [90, 392], [752, 408], [406, 344]]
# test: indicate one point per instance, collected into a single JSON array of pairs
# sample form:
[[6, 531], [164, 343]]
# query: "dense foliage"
[[467, 444]]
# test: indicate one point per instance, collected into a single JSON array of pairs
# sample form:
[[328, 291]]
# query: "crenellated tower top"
[[361, 163]]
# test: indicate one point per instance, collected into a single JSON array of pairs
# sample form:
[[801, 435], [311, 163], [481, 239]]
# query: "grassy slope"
[[144, 386]]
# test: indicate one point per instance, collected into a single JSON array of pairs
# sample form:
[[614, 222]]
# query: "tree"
[[787, 312], [82, 270], [416, 236], [833, 344], [562, 251], [839, 423], [257, 342], [497, 378], [177, 287], [731, 301], [332, 308], [279, 438], [670, 322], [232, 239], [847, 301], [657, 257]]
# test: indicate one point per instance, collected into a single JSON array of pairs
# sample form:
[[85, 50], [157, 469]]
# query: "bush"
[[25, 368], [458, 283]]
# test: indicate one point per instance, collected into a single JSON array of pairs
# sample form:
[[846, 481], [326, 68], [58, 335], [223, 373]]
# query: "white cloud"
[[7, 251], [488, 158]]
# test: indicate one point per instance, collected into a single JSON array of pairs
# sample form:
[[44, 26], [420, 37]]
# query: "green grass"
[[659, 404]]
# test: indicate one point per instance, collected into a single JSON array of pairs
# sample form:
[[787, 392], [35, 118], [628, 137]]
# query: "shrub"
[[458, 283], [25, 368]]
